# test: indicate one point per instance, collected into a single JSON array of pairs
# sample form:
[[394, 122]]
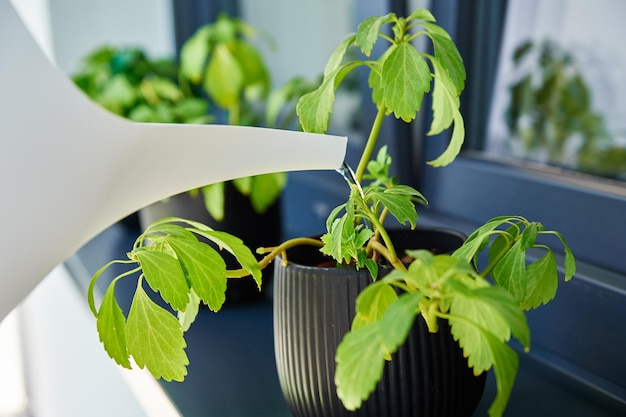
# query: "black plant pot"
[[314, 308], [240, 219]]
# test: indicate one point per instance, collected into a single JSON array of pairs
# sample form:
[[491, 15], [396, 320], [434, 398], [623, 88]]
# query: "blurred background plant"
[[221, 77], [551, 114]]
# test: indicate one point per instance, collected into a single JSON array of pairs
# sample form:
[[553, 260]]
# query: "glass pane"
[[560, 95]]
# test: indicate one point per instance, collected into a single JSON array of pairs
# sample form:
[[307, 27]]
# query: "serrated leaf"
[[336, 58], [448, 56], [164, 274], [373, 301], [360, 364], [368, 31], [421, 14], [569, 262], [314, 108], [361, 354], [505, 364], [111, 325], [470, 336], [333, 215], [155, 339], [479, 238], [171, 229], [456, 142], [406, 190], [529, 235], [204, 269], [443, 101], [372, 267], [239, 250], [188, 316], [509, 272], [400, 207], [541, 282], [224, 78], [213, 196], [405, 78], [398, 320], [509, 309]]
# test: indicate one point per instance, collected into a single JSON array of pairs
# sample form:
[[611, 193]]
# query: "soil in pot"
[[314, 308]]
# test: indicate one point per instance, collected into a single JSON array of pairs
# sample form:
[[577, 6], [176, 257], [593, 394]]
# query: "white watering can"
[[69, 169]]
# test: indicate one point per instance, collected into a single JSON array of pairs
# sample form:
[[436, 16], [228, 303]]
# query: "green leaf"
[[456, 142], [398, 320], [373, 301], [368, 31], [337, 56], [314, 108], [479, 238], [155, 339], [188, 316], [361, 354], [477, 313], [117, 94], [334, 239], [224, 80], [405, 78], [239, 250], [421, 14], [541, 282], [505, 364], [360, 364], [400, 207], [170, 229], [213, 195], [569, 262], [204, 269], [444, 102], [448, 55], [406, 190], [509, 309], [111, 325], [266, 189], [510, 272], [243, 185], [194, 53], [165, 275], [253, 67], [164, 88], [333, 215]]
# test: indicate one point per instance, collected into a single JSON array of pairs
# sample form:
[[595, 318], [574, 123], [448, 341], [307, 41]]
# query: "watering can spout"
[[69, 169]]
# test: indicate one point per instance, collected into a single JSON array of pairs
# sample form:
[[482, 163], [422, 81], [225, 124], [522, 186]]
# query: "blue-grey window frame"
[[583, 332]]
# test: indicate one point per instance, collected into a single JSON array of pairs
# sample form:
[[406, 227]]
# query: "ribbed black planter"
[[313, 309]]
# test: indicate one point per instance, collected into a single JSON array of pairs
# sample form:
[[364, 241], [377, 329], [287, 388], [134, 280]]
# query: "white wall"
[[305, 33]]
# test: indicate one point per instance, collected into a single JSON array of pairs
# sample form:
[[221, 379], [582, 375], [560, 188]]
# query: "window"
[[582, 331]]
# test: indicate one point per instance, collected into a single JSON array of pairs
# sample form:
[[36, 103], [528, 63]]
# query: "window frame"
[[582, 332]]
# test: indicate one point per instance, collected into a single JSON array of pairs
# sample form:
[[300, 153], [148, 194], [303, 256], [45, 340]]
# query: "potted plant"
[[472, 291], [222, 71]]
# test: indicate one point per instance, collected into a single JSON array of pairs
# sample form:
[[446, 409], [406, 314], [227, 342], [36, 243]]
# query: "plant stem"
[[272, 253], [390, 255], [371, 143], [492, 264]]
